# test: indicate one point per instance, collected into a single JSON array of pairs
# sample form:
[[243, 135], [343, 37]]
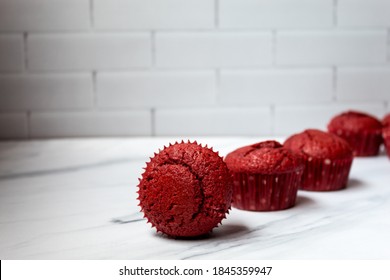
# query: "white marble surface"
[[76, 199]]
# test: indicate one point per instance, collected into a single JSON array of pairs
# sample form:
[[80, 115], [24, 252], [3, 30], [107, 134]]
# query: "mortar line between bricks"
[[189, 31], [186, 69]]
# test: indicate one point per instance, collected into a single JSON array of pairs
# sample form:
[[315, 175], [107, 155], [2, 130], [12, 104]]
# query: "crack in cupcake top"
[[355, 121], [319, 144], [266, 157]]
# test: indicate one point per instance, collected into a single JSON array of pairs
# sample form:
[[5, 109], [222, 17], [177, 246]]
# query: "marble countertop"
[[76, 199]]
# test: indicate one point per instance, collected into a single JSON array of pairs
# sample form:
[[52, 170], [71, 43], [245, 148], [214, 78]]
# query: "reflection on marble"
[[76, 199]]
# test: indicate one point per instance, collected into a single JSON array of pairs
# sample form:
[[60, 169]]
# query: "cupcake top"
[[319, 144], [386, 126], [266, 157], [354, 122], [186, 190], [386, 121]]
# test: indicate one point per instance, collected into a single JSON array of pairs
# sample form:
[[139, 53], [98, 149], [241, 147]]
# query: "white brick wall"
[[363, 13], [292, 119], [364, 84], [189, 67], [276, 13], [222, 49], [154, 14], [332, 47], [214, 121], [88, 51], [11, 53], [276, 86], [88, 124], [46, 92], [44, 15], [152, 89], [13, 125]]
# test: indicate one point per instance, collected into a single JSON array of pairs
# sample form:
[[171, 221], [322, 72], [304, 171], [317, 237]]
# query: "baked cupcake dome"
[[186, 190], [266, 176], [386, 133], [328, 159], [386, 121], [362, 131]]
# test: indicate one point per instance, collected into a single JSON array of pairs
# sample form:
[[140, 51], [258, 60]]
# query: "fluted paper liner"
[[265, 192], [364, 143], [325, 174]]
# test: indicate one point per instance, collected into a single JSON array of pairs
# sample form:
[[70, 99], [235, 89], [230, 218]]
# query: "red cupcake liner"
[[364, 144], [325, 174], [265, 192]]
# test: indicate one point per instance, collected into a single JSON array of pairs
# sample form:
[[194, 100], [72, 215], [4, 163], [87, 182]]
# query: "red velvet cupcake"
[[186, 190], [386, 133], [386, 120], [328, 159], [363, 132], [266, 176]]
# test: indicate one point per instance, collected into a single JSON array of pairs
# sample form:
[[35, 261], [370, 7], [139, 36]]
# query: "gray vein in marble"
[[68, 169], [137, 217]]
